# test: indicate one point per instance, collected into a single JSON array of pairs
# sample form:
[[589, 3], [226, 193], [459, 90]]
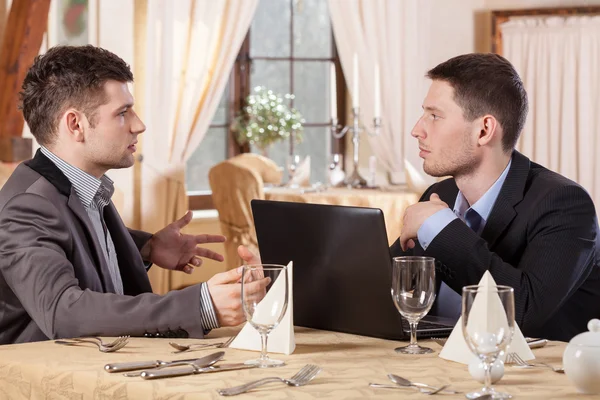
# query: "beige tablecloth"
[[391, 202], [45, 370]]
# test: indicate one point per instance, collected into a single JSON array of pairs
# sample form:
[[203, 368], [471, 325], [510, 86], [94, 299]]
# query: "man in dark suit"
[[533, 229], [68, 265]]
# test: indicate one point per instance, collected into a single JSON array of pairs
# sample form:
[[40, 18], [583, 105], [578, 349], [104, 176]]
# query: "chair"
[[234, 183]]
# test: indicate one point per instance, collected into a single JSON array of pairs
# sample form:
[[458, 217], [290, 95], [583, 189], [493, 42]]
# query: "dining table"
[[46, 370], [392, 200]]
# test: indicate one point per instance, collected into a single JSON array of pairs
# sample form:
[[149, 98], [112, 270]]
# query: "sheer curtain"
[[191, 47], [558, 59], [395, 36]]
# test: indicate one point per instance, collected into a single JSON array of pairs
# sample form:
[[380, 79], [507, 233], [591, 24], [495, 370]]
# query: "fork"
[[115, 342], [185, 347], [102, 348], [301, 378], [516, 359]]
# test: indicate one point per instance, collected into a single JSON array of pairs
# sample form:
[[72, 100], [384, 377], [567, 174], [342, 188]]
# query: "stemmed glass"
[[488, 324], [413, 292], [293, 162], [264, 300]]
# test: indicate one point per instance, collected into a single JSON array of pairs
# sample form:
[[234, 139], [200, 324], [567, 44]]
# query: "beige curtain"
[[558, 59], [190, 49], [394, 35]]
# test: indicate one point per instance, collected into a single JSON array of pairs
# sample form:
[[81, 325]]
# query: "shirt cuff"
[[434, 225], [207, 310]]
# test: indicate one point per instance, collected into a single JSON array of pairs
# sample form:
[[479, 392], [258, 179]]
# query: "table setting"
[[485, 356]]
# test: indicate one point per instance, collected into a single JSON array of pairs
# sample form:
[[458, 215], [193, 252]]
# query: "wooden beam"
[[24, 31], [3, 16]]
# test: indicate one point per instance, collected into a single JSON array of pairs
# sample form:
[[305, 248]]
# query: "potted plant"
[[266, 119]]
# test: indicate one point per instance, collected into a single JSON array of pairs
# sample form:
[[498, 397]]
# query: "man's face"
[[447, 142], [111, 142]]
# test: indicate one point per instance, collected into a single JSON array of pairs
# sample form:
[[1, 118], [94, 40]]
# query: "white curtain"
[[394, 35], [191, 47], [558, 59]]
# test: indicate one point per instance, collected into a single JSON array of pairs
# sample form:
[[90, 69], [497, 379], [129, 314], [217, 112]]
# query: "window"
[[289, 49]]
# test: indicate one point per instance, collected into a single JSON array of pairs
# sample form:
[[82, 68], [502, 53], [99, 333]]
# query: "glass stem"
[[487, 367], [263, 351], [413, 333]]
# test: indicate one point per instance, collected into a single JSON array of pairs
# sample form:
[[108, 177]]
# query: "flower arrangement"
[[266, 119]]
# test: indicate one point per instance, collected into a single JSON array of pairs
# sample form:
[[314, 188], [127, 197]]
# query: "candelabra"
[[354, 180]]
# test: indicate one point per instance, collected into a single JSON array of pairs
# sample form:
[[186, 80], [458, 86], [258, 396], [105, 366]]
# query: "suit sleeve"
[[140, 238], [557, 257], [396, 249], [35, 249]]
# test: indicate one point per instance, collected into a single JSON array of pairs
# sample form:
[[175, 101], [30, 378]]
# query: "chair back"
[[234, 183]]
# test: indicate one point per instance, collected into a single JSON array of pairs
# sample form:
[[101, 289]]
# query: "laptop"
[[342, 268]]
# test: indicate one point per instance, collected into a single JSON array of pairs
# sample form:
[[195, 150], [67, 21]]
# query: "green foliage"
[[266, 119]]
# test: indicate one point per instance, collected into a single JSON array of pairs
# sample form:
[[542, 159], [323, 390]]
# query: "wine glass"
[[293, 162], [264, 300], [413, 292], [335, 171], [488, 324]]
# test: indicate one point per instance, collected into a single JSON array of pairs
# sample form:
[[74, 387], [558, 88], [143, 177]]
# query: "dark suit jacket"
[[54, 278], [541, 238]]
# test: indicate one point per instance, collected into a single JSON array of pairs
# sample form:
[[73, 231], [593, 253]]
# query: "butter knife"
[[536, 343], [191, 370], [130, 366]]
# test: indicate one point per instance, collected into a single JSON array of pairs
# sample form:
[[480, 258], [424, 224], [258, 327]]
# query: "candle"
[[377, 92], [355, 94], [333, 92]]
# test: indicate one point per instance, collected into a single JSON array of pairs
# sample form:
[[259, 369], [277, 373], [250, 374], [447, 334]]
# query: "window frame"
[[239, 89]]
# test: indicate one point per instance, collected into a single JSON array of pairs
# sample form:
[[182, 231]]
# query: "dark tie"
[[473, 219]]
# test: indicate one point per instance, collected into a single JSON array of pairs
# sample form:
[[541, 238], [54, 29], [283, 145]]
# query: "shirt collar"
[[86, 186], [484, 205]]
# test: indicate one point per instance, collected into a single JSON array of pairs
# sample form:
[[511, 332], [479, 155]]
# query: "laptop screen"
[[342, 265]]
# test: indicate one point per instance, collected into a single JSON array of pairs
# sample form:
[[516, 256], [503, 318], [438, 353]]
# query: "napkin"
[[302, 174], [281, 339], [485, 308]]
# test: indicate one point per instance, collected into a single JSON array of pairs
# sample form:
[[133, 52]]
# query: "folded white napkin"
[[487, 309], [302, 174], [281, 339]]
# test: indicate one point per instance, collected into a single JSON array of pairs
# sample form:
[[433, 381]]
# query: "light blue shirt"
[[438, 221]]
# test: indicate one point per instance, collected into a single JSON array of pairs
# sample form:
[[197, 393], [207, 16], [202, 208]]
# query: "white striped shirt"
[[95, 194]]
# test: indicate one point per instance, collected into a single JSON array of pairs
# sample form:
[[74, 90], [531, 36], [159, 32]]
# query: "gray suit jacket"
[[54, 279]]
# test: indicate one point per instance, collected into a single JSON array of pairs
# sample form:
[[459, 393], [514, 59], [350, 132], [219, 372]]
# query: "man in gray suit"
[[68, 265]]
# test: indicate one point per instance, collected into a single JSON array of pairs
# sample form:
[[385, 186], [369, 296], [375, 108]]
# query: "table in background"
[[48, 370], [393, 202]]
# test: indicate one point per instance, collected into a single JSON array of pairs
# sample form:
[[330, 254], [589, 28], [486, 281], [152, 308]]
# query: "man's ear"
[[488, 130], [73, 120]]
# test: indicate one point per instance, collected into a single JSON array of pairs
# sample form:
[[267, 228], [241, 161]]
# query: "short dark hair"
[[487, 84], [67, 76]]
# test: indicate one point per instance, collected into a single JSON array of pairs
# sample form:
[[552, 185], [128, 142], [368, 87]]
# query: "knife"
[[536, 343], [200, 362], [191, 369]]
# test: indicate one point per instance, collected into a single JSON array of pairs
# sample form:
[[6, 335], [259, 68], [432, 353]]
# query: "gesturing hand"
[[415, 215], [171, 249]]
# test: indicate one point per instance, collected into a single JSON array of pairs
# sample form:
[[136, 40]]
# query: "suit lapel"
[[510, 195], [92, 239]]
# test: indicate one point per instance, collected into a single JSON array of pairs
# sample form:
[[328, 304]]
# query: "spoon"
[[400, 381]]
